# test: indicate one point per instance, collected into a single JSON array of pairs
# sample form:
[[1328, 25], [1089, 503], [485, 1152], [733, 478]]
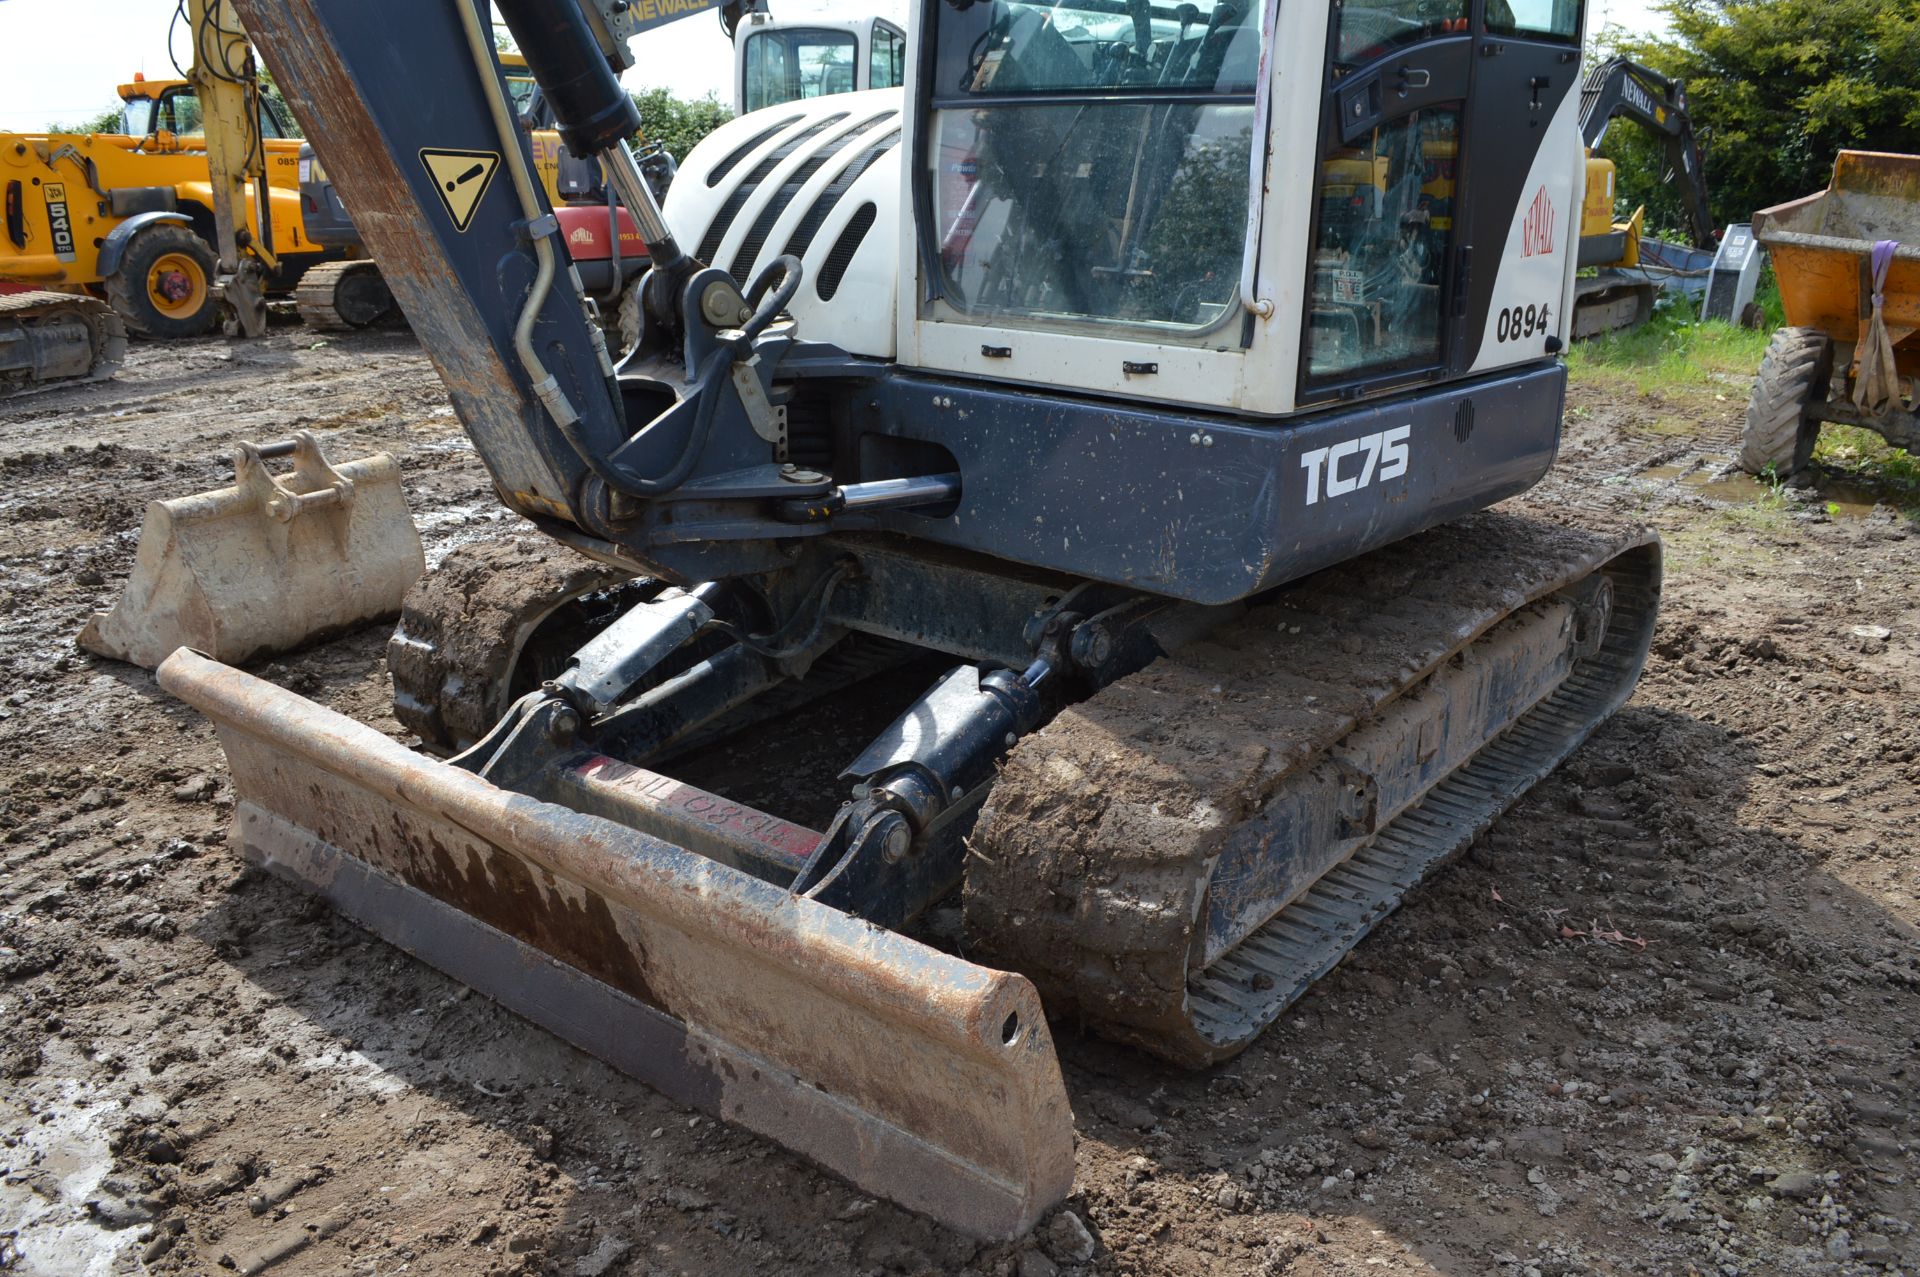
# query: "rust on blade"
[[916, 1075]]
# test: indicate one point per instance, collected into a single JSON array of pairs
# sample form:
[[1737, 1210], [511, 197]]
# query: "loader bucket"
[[916, 1075], [268, 564]]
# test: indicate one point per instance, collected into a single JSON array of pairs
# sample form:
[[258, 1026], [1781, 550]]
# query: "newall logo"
[[581, 235], [1536, 232], [1636, 94]]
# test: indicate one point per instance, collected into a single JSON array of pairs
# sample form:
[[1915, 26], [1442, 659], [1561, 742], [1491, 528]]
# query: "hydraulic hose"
[[621, 479], [765, 312], [769, 301], [480, 47]]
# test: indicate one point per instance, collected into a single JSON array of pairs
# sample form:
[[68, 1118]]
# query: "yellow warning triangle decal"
[[460, 178]]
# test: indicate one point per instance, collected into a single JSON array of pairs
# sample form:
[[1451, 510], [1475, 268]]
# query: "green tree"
[[107, 121], [271, 91], [1776, 87], [678, 123]]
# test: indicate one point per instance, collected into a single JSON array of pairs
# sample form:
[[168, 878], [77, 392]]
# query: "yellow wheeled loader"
[[133, 218], [191, 212]]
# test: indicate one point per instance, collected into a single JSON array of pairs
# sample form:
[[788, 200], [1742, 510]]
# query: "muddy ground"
[[1662, 1020]]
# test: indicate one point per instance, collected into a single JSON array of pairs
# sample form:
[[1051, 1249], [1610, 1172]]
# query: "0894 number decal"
[[1516, 322]]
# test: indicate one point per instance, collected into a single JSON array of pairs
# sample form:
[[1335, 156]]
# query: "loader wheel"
[[164, 287], [1793, 377]]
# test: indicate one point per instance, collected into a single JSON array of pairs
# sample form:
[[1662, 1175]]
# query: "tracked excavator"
[[1149, 368], [1621, 290], [50, 338]]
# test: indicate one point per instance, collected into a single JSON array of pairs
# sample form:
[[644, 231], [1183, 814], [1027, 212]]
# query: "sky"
[[60, 59]]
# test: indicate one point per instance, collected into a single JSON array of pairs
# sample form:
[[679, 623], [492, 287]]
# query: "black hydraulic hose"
[[814, 604], [623, 480], [765, 312]]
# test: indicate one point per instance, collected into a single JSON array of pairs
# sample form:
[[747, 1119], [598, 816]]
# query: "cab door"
[[1385, 257], [1527, 171], [1444, 191]]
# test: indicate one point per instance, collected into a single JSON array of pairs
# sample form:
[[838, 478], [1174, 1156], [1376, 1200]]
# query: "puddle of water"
[[1841, 500], [1848, 500], [1732, 489], [63, 1148]]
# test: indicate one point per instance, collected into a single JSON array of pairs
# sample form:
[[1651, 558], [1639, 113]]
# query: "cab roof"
[[148, 89]]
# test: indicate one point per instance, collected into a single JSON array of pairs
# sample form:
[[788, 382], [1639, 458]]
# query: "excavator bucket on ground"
[[268, 564]]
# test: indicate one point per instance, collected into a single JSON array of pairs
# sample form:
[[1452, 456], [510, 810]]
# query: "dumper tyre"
[[629, 319], [164, 287], [1794, 375]]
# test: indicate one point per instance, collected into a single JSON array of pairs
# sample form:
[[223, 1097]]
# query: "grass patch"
[[1870, 458], [1674, 354], [1707, 548], [1768, 514]]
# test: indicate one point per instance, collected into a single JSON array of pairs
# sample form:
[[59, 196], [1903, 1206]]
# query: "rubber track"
[[314, 295], [462, 626], [109, 332], [1090, 860]]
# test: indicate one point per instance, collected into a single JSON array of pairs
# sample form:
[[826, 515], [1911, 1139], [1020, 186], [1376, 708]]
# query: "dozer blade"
[[268, 564], [918, 1076]]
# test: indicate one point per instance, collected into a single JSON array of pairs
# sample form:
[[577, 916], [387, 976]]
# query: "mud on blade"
[[918, 1076]]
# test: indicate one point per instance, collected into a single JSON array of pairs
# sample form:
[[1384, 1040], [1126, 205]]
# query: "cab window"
[[802, 62], [180, 113], [1366, 31], [887, 64], [1385, 223], [1091, 163], [136, 117], [1537, 19], [521, 88]]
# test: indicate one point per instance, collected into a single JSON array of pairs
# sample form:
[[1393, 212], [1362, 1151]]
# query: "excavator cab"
[[1147, 367]]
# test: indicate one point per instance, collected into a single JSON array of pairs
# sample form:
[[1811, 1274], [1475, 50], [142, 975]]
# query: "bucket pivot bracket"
[[313, 485]]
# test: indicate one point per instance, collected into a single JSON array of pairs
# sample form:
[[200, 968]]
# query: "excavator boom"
[[224, 77], [1620, 86]]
